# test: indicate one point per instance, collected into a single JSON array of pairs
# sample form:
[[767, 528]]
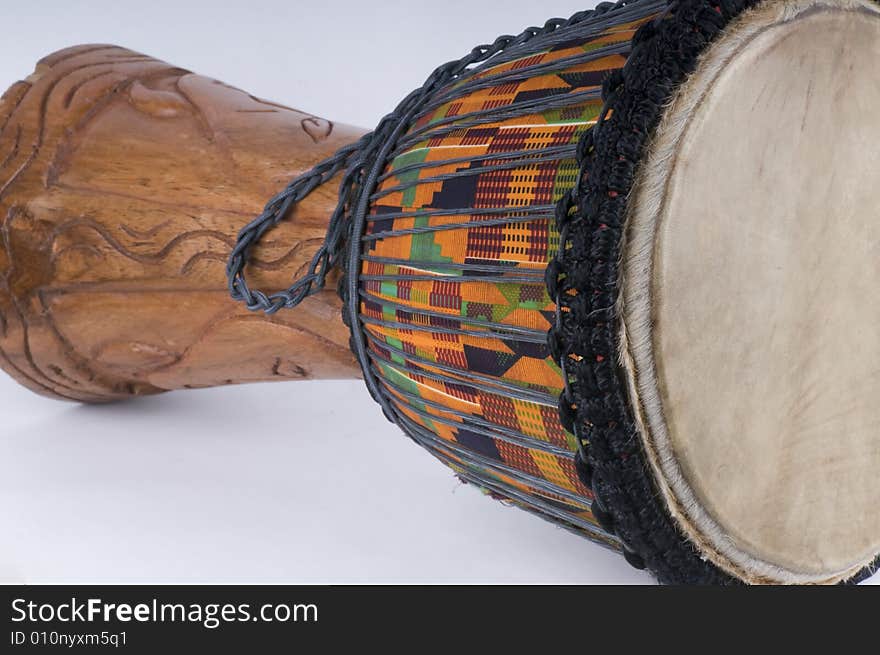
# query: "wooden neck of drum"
[[123, 184]]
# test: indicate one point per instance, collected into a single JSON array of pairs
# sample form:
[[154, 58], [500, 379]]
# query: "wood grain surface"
[[123, 183]]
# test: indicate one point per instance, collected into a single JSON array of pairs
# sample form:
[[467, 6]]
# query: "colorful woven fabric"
[[459, 234]]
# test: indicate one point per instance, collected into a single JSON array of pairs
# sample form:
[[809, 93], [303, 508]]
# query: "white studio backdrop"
[[297, 482]]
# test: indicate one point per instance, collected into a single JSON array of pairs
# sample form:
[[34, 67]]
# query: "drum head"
[[750, 304]]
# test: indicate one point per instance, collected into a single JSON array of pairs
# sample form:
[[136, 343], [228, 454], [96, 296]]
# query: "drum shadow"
[[300, 483]]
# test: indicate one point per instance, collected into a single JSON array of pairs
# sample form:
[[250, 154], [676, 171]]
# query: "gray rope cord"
[[533, 336], [481, 460], [355, 158], [436, 378], [491, 430], [501, 269], [518, 75], [438, 449], [487, 463], [562, 152], [524, 212], [443, 126], [363, 165], [277, 208], [431, 315], [472, 171], [475, 380], [407, 313], [456, 279], [533, 505], [425, 229]]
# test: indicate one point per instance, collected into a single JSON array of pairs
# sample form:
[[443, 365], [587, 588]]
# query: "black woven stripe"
[[586, 281]]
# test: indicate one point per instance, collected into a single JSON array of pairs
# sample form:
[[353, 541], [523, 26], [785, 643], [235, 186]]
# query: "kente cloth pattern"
[[452, 295]]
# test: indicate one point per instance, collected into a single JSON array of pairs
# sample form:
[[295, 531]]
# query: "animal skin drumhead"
[[751, 322]]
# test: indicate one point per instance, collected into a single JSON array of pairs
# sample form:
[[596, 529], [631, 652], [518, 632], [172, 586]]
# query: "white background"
[[287, 482]]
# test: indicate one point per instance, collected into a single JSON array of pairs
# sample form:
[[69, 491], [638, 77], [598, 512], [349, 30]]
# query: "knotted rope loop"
[[313, 280], [355, 159]]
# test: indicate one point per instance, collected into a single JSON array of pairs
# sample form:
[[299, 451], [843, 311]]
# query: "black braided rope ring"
[[586, 280]]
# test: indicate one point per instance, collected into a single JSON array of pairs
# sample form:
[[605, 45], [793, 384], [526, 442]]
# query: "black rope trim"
[[585, 281]]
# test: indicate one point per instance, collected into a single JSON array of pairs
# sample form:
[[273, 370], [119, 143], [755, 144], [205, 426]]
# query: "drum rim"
[[601, 395], [637, 303]]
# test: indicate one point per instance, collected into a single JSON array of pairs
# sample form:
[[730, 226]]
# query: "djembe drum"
[[619, 270]]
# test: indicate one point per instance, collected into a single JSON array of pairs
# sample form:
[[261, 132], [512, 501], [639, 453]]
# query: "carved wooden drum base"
[[123, 182]]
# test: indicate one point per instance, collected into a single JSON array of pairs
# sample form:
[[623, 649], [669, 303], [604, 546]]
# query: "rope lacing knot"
[[353, 159]]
